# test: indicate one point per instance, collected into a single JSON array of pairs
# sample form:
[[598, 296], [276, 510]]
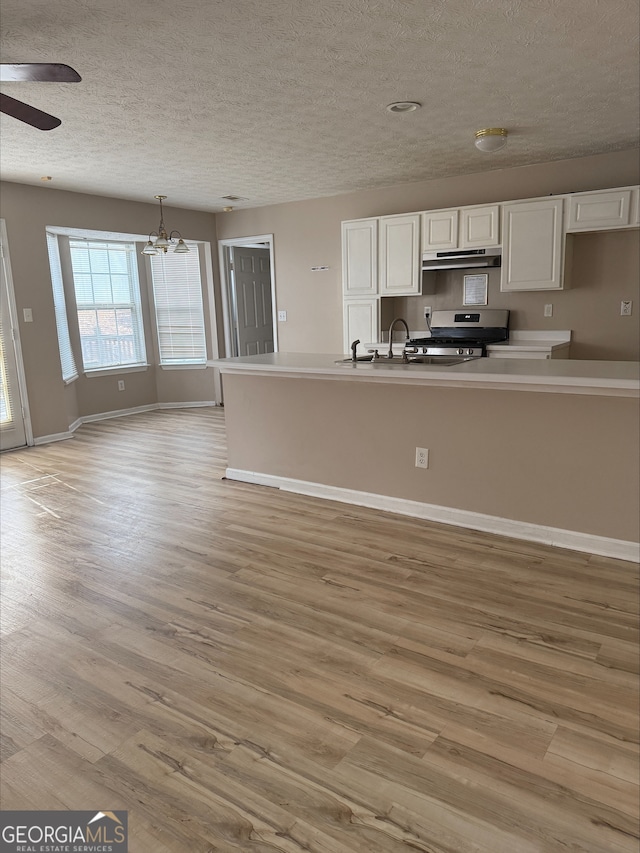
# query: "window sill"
[[112, 371], [198, 366]]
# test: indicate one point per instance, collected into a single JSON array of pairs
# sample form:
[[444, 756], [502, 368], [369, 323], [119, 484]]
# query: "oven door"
[[440, 360]]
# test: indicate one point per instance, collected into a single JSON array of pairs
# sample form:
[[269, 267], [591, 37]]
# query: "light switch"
[[282, 316], [27, 314]]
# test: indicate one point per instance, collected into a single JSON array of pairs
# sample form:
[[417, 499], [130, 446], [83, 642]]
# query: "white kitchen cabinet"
[[599, 211], [400, 271], [360, 257], [533, 251], [475, 227], [479, 227], [360, 321], [440, 230]]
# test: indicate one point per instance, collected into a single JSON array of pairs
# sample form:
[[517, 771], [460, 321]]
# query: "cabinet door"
[[400, 260], [360, 321], [439, 230], [360, 257], [480, 227], [532, 245], [601, 210]]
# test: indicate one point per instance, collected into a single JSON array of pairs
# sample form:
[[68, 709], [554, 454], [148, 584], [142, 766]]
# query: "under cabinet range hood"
[[463, 259]]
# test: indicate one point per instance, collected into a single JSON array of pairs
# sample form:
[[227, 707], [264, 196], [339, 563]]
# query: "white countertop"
[[533, 342], [612, 378]]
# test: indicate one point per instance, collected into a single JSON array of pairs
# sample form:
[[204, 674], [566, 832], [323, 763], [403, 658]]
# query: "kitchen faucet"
[[397, 320]]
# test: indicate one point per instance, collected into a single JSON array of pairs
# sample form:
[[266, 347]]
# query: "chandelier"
[[163, 240]]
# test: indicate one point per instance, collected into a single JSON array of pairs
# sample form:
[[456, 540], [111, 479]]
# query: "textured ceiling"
[[279, 100]]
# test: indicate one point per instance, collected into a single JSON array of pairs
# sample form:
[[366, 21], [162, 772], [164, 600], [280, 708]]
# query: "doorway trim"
[[15, 333], [226, 286]]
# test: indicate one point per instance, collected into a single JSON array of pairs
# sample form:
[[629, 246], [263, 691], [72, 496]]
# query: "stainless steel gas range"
[[461, 333]]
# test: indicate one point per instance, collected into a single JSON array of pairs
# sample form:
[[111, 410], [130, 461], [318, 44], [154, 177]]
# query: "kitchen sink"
[[398, 361]]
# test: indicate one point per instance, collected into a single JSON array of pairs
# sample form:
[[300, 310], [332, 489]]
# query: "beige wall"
[[547, 459], [606, 270], [27, 211], [307, 234]]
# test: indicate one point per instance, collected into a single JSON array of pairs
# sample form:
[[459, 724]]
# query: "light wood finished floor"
[[246, 669]]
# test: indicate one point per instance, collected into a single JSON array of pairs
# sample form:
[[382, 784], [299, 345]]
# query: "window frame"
[[132, 305], [68, 364]]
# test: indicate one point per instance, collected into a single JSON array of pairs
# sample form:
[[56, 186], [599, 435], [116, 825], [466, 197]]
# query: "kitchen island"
[[543, 450]]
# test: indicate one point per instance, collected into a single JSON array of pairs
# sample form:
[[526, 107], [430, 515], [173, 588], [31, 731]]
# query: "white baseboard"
[[195, 405], [150, 407], [617, 548], [118, 413], [56, 436]]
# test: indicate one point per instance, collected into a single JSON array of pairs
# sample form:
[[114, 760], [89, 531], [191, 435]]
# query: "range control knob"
[[469, 352], [460, 351]]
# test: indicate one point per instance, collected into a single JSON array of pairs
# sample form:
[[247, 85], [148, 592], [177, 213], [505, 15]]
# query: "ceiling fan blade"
[[23, 112], [37, 72]]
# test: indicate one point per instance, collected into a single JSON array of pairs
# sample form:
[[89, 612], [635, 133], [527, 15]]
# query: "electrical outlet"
[[27, 315], [282, 316], [422, 457], [626, 307], [548, 310], [120, 384], [427, 313]]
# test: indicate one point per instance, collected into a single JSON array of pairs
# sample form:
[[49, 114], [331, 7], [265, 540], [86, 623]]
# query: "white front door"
[[12, 420], [254, 318]]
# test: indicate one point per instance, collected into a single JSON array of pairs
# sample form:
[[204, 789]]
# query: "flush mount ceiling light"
[[163, 240], [403, 106], [491, 139]]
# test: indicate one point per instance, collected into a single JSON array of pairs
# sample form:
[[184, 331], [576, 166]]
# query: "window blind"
[[6, 401], [177, 295], [105, 278], [67, 361]]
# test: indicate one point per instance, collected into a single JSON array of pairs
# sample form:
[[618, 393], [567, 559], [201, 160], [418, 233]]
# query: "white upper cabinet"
[[600, 210], [381, 256], [532, 245], [464, 228], [440, 230], [400, 272], [480, 227], [360, 257]]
